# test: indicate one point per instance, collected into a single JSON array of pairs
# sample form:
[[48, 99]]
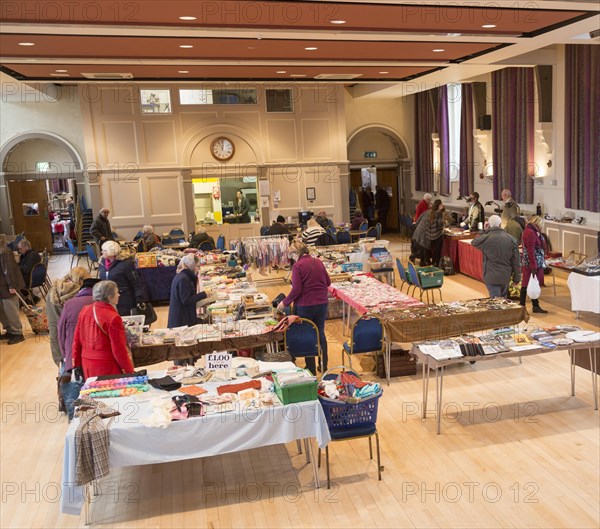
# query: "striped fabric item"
[[310, 235]]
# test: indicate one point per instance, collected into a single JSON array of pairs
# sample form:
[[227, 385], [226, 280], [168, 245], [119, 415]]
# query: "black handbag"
[[146, 310]]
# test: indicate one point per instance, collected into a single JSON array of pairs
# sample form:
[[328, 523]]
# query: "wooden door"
[[29, 204]]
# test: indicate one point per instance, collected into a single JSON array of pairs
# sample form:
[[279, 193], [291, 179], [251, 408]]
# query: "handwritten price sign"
[[217, 361]]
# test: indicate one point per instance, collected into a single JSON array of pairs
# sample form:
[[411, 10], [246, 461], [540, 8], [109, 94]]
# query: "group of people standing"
[[499, 243], [374, 206]]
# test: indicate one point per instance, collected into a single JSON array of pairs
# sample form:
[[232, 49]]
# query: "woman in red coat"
[[534, 249], [100, 344]]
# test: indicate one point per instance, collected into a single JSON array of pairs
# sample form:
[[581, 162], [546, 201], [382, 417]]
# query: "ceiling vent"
[[107, 76], [338, 76]]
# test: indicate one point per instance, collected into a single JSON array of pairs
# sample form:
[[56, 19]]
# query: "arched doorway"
[[40, 170], [380, 147]]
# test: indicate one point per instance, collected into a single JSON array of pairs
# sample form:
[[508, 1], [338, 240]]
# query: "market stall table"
[[245, 338], [470, 259], [430, 363], [158, 281], [585, 292], [132, 443], [450, 245]]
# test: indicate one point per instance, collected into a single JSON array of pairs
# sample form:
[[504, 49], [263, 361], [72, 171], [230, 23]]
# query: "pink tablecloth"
[[471, 260], [371, 295]]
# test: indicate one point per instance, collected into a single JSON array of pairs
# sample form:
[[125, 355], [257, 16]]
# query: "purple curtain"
[[513, 132], [424, 128], [582, 127], [444, 138], [466, 169]]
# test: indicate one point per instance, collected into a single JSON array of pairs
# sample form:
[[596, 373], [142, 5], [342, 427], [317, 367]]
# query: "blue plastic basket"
[[341, 415], [352, 267]]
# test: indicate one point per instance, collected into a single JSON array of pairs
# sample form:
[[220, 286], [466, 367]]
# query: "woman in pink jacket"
[[532, 262]]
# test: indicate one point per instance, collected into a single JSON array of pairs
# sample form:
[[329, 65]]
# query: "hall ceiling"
[[377, 46]]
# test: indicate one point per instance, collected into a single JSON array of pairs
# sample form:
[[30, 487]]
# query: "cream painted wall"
[[293, 151], [24, 157]]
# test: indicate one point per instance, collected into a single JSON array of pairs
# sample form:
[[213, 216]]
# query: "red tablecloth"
[[471, 260], [371, 295], [450, 248]]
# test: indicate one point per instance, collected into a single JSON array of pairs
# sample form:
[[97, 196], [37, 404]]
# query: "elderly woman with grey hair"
[[99, 343], [182, 307], [148, 240], [124, 274]]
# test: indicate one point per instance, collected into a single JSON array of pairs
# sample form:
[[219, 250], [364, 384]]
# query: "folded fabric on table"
[[164, 383], [236, 388]]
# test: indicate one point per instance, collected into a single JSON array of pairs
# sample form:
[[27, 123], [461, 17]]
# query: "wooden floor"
[[516, 451]]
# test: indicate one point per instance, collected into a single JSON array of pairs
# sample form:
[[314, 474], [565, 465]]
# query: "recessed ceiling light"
[[297, 75], [61, 71], [311, 48], [280, 71], [187, 18], [60, 75], [383, 72], [184, 71], [489, 26], [438, 50], [26, 44], [186, 46], [251, 48], [337, 21], [453, 34]]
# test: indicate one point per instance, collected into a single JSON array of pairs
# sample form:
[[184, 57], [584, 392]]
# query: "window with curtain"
[[453, 101], [582, 127], [467, 163]]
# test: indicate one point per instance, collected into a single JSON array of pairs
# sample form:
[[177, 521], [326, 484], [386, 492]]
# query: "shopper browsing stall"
[[100, 343], [534, 250], [124, 274], [312, 232], [182, 307], [309, 293], [500, 258]]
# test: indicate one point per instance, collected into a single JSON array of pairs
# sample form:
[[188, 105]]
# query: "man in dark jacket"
[[199, 237], [11, 281], [100, 229], [500, 258], [382, 204], [27, 260], [475, 213], [279, 227]]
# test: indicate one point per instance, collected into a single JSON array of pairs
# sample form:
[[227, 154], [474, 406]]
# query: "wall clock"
[[222, 148]]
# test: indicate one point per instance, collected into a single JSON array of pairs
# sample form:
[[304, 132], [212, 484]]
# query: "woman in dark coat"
[[240, 208], [124, 274], [434, 228], [182, 307], [532, 262]]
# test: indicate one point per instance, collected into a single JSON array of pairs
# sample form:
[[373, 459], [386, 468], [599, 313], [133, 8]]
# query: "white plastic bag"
[[533, 287]]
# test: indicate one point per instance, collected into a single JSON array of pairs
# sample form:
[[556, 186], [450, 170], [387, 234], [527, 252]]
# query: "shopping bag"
[[36, 316], [533, 288], [146, 310]]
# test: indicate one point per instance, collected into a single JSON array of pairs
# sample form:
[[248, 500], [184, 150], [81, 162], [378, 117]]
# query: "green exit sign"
[[371, 154]]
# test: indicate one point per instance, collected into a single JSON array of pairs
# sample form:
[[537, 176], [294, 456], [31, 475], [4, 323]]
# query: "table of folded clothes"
[[435, 322], [143, 419]]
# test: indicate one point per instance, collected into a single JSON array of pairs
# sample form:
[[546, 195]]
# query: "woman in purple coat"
[[534, 249], [309, 294], [68, 320]]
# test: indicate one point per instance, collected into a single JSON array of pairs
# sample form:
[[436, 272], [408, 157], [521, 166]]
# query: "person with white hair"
[[200, 236], [148, 240], [99, 342], [100, 229], [184, 295], [501, 259], [422, 206], [511, 208], [124, 274], [28, 258], [312, 232]]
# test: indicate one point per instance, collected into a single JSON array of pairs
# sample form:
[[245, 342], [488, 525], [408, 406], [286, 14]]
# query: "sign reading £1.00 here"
[[218, 360]]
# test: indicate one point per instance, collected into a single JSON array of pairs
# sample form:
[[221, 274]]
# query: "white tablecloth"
[[132, 443], [585, 292]]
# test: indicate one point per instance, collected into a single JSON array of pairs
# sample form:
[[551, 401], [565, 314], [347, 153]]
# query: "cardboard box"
[[146, 260]]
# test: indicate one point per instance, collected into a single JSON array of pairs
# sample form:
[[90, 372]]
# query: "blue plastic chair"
[[372, 232], [301, 340], [38, 280], [138, 235], [363, 227], [416, 280], [177, 234], [368, 336], [92, 257], [331, 232], [76, 253], [343, 237], [264, 230], [404, 279], [221, 242], [206, 246], [167, 240]]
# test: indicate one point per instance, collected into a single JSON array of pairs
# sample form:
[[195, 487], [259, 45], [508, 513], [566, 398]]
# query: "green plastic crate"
[[430, 276], [296, 393]]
